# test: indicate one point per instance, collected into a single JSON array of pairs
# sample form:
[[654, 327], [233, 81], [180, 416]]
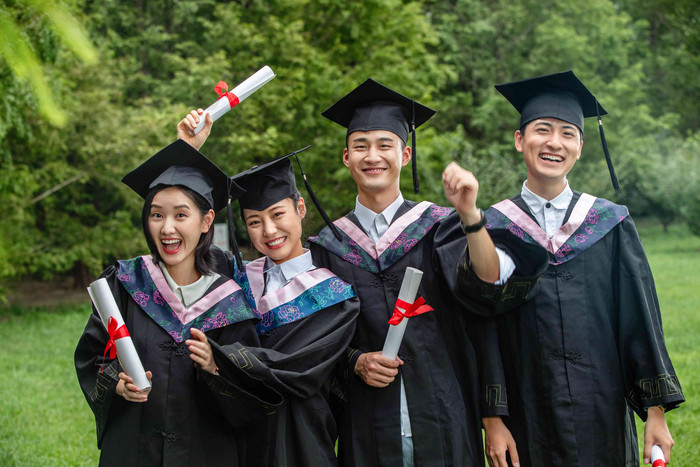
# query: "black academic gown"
[[191, 418], [588, 347], [301, 338], [443, 403]]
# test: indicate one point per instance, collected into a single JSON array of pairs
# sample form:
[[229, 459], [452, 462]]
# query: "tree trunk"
[[81, 278]]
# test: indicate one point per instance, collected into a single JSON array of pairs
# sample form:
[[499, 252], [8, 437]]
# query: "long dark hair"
[[204, 260]]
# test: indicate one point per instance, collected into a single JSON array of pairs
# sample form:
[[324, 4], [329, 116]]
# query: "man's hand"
[[656, 432], [461, 189], [185, 129], [499, 441], [375, 370]]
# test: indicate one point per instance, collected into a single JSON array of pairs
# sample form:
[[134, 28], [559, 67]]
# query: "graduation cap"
[[273, 181], [373, 106], [179, 164], [559, 95]]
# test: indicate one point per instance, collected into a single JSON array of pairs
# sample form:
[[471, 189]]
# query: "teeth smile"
[[552, 158], [277, 241], [170, 242]]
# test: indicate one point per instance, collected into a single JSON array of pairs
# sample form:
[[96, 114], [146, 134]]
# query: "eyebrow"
[[179, 206], [565, 126], [364, 139]]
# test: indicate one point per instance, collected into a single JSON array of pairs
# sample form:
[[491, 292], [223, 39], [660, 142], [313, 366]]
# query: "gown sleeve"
[[648, 373], [483, 298], [98, 378], [483, 333], [297, 358]]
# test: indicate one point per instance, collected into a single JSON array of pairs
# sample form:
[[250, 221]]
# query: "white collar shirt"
[[189, 294], [375, 224], [279, 275], [549, 214]]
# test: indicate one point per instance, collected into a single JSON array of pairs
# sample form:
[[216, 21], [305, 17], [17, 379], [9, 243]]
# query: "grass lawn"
[[44, 419]]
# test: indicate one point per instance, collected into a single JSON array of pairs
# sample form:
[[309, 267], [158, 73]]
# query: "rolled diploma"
[[407, 293], [242, 91], [657, 456], [104, 302]]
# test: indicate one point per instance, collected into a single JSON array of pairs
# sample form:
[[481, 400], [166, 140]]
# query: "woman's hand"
[[185, 129], [201, 351], [128, 390]]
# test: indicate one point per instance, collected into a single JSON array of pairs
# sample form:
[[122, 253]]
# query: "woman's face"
[[176, 224], [276, 231]]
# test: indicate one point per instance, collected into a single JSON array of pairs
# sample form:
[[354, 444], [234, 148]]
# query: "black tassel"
[[416, 187], [316, 202], [608, 159], [232, 236]]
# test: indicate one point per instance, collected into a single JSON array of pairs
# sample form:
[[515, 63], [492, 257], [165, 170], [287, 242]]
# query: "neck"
[[183, 274], [547, 190], [378, 201], [297, 251]]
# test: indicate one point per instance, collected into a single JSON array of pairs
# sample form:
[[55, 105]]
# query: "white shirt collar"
[[366, 216], [536, 203], [189, 294], [292, 268]]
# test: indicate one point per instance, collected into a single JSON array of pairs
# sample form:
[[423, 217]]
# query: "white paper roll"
[[657, 456], [103, 299], [407, 293], [242, 91]]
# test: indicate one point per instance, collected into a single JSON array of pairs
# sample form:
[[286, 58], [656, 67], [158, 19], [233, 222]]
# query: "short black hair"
[[204, 260]]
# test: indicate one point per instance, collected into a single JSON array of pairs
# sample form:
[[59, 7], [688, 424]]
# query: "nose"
[[554, 140], [373, 154], [168, 226], [269, 229]]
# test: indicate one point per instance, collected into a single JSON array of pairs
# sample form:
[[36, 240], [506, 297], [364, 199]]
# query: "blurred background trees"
[[88, 90]]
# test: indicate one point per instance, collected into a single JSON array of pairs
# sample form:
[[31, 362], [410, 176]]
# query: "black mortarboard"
[[373, 106], [179, 164], [274, 181], [559, 95]]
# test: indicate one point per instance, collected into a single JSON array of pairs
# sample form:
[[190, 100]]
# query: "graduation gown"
[[192, 417], [589, 346], [443, 403], [306, 326]]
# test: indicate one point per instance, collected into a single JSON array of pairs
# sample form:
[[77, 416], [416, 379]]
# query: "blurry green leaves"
[[23, 60]]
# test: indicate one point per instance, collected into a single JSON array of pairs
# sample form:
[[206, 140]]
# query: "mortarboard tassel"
[[414, 167], [317, 203], [608, 159], [232, 231]]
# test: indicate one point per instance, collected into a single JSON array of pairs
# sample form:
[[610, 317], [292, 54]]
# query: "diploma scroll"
[[103, 299], [657, 456], [232, 98], [407, 293]]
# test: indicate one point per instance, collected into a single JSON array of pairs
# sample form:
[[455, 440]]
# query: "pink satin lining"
[[525, 222], [286, 294], [203, 304], [391, 234]]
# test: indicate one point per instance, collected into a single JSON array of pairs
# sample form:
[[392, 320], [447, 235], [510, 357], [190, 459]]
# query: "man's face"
[[550, 148], [375, 159]]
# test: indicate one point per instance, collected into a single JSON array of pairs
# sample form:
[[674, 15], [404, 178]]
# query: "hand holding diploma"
[[657, 438], [406, 306], [229, 99], [120, 343]]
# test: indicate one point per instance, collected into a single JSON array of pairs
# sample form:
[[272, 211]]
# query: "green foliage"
[[67, 210]]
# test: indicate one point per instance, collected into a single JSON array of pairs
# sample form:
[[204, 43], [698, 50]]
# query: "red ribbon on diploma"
[[232, 98], [418, 307], [114, 334]]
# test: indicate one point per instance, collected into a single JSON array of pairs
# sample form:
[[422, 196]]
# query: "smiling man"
[[423, 407], [589, 349]]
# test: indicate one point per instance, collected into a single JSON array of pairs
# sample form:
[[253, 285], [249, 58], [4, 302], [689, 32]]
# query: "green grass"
[[44, 419]]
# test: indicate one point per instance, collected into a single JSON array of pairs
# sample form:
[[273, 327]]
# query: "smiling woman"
[[173, 305]]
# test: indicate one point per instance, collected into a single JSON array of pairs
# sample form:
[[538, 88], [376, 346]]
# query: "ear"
[[301, 208], [345, 157], [207, 221], [518, 140], [405, 155], [580, 148]]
